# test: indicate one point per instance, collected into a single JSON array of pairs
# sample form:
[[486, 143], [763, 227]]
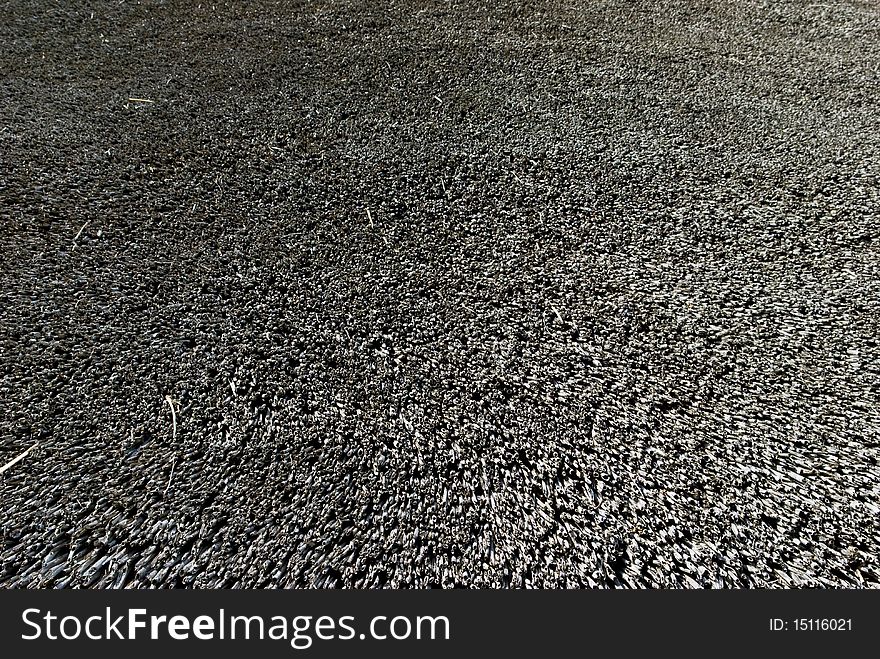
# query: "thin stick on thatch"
[[170, 477], [81, 229], [173, 418], [17, 459], [173, 438]]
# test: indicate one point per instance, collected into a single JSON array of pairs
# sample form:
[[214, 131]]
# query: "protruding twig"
[[21, 456], [170, 477], [81, 229], [141, 100], [173, 418], [170, 402]]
